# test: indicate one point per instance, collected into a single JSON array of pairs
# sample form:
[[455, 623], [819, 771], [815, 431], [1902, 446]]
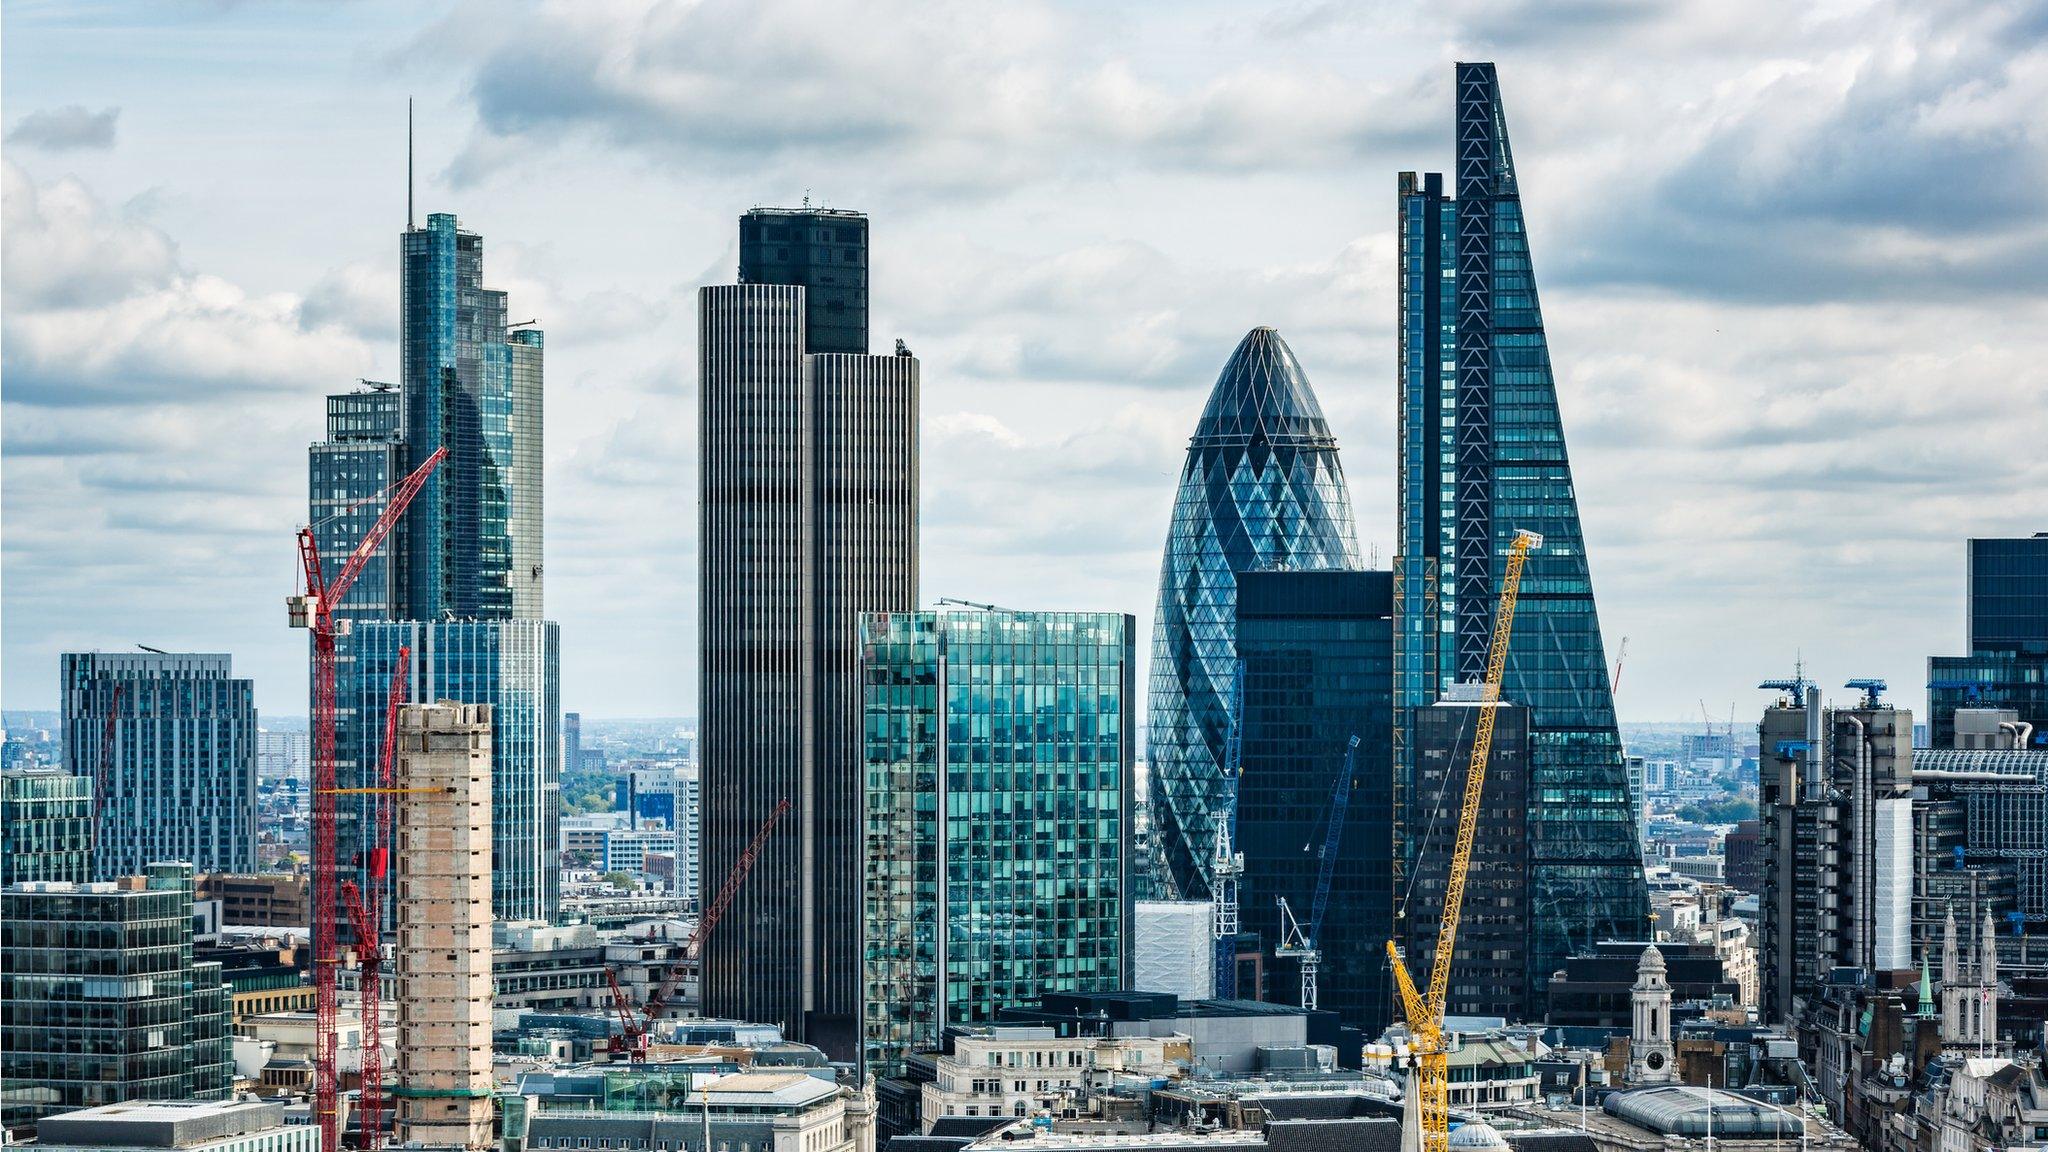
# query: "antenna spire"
[[408, 163]]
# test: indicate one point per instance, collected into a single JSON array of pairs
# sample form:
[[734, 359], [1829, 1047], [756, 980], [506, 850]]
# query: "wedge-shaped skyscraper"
[[1482, 454], [1261, 489]]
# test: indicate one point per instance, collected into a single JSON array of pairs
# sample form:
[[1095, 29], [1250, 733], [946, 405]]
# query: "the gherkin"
[[1261, 489]]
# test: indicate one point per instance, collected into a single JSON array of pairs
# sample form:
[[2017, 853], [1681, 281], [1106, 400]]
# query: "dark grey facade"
[[823, 251], [808, 503], [1835, 830], [1489, 975], [100, 1000], [180, 782], [1318, 652], [2007, 664]]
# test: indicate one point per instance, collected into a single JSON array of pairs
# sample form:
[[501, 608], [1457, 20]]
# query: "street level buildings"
[[1318, 654], [1481, 457], [441, 862], [999, 756], [808, 485], [1261, 489], [100, 999], [170, 740]]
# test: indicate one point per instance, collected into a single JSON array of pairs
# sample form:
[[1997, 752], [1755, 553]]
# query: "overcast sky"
[[1793, 258]]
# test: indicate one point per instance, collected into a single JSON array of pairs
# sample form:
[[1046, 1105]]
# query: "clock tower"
[[1649, 1051]]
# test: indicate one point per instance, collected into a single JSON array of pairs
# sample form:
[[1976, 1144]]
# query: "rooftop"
[[159, 1123]]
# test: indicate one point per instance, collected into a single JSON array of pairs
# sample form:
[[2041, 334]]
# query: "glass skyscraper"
[[472, 384], [1482, 455], [2007, 665], [512, 665], [100, 1000], [999, 764], [460, 579], [1318, 652], [180, 781], [808, 499], [1261, 489]]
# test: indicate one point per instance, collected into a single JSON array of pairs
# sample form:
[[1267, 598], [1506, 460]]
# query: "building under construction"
[[442, 856]]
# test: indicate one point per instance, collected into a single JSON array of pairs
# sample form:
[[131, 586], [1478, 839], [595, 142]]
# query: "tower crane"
[[632, 1040], [1429, 1081], [1227, 864], [1620, 658], [1294, 940], [314, 610]]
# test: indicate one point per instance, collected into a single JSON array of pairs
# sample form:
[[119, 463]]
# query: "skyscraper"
[[460, 580], [825, 252], [514, 666], [1261, 489], [180, 781], [2007, 665], [472, 384], [1482, 455], [998, 803], [363, 455], [808, 496], [1318, 652]]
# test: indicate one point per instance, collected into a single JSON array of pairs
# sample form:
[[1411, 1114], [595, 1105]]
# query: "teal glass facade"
[[1261, 489], [1482, 455], [48, 819], [101, 1002], [512, 665], [999, 757], [472, 385]]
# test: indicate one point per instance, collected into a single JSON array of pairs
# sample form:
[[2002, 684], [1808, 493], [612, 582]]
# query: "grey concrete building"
[[807, 491], [1836, 835]]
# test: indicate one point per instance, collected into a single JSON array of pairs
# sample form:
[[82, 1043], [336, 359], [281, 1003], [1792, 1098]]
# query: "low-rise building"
[[1014, 1070], [751, 1111], [261, 899], [183, 1125]]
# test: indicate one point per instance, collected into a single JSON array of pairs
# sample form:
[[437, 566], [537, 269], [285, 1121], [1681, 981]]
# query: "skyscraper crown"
[[1262, 394]]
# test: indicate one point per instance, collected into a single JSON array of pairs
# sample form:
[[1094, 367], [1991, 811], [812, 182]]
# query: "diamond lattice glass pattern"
[[1262, 489]]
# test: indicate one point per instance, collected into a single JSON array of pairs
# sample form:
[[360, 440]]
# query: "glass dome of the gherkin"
[[1261, 489]]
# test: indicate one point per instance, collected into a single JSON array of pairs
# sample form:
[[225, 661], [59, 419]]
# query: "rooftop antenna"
[[408, 163]]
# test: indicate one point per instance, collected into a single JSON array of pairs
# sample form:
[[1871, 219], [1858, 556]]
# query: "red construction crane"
[[315, 610], [631, 1036], [635, 1038], [103, 773], [370, 955]]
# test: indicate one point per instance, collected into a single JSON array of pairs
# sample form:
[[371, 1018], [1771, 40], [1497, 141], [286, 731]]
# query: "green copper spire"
[[1926, 988]]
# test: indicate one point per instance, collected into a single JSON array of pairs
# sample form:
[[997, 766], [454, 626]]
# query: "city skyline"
[[1760, 458]]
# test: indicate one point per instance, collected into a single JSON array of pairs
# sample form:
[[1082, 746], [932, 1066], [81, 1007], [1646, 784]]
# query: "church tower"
[[1649, 1051]]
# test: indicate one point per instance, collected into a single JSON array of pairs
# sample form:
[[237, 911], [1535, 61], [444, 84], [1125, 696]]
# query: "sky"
[[1793, 260]]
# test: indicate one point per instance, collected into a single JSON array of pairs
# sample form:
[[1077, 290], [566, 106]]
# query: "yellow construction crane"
[[1430, 1080]]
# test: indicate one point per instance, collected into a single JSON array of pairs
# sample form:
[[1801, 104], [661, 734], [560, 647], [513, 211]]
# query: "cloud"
[[65, 129], [100, 311], [971, 99]]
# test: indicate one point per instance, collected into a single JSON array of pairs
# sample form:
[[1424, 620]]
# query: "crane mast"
[[1227, 864], [314, 610], [1429, 1081]]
